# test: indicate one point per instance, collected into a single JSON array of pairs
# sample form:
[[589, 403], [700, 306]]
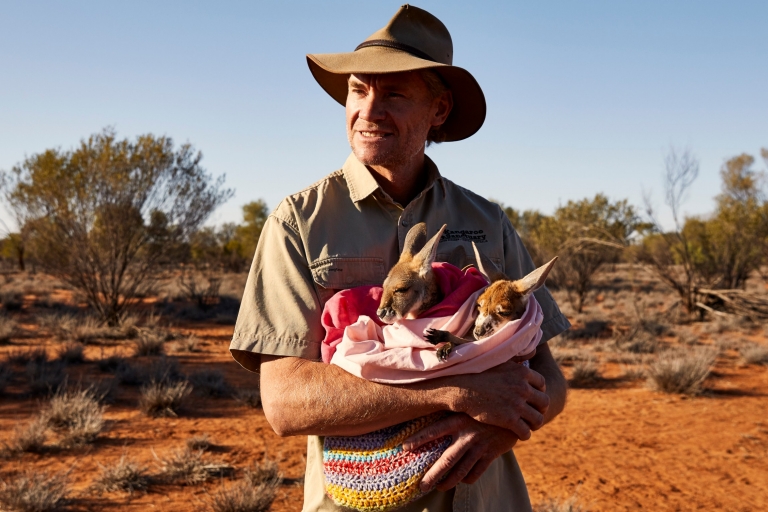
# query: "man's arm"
[[305, 397]]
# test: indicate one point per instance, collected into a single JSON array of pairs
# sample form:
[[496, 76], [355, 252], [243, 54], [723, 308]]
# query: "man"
[[347, 230]]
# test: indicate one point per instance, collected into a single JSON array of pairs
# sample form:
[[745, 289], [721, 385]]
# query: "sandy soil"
[[618, 445]]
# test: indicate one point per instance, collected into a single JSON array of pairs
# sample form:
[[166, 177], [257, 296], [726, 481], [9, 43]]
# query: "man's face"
[[389, 117]]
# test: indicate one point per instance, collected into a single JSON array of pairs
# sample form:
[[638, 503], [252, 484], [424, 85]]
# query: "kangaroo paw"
[[444, 351], [435, 336]]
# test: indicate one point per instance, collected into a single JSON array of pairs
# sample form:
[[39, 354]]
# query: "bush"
[[249, 397], [149, 343], [77, 415], [34, 492], [22, 357], [11, 300], [754, 354], [8, 328], [210, 383], [186, 466], [199, 443], [163, 398], [28, 438], [72, 353], [568, 505], [585, 374], [681, 373], [243, 496], [125, 476], [188, 344]]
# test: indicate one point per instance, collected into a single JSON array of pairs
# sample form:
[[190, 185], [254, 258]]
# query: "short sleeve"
[[280, 311], [518, 263]]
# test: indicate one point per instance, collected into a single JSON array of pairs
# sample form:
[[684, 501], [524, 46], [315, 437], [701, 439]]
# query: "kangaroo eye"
[[505, 313], [402, 290]]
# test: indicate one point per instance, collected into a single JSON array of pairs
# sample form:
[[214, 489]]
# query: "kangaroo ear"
[[414, 241], [535, 279], [487, 267], [427, 254]]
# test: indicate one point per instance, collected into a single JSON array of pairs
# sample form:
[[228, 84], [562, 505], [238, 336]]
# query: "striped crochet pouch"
[[372, 472]]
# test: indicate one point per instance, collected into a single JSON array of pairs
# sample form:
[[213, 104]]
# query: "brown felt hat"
[[412, 40]]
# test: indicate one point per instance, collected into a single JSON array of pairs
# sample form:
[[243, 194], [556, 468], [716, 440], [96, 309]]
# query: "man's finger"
[[477, 470], [533, 417], [459, 471], [438, 429], [536, 380], [538, 400], [521, 429], [447, 460]]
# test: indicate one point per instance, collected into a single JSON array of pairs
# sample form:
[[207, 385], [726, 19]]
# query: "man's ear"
[[427, 254], [414, 241], [444, 108]]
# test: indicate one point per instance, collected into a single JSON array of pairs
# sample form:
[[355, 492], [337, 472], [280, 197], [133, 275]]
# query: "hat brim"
[[468, 114]]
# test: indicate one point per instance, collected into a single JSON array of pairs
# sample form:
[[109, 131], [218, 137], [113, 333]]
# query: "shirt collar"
[[362, 184]]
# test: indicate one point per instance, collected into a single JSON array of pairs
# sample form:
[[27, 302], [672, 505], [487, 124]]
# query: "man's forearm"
[[557, 388], [305, 397]]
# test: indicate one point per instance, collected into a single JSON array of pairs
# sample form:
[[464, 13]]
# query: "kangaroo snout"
[[386, 315]]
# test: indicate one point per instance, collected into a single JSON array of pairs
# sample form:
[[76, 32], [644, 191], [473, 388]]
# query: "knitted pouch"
[[371, 472]]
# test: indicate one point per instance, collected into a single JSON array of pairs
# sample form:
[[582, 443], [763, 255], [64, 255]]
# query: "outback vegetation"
[[117, 305]]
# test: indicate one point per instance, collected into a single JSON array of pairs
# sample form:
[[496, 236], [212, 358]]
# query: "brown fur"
[[411, 287]]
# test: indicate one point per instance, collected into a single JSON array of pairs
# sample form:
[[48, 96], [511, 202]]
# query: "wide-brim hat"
[[412, 40]]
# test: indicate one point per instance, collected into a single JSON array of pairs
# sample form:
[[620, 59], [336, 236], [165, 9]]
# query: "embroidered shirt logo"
[[467, 235]]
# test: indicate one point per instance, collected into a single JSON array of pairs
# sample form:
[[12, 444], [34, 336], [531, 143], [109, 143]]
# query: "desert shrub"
[[125, 476], [8, 328], [149, 343], [632, 373], [585, 374], [34, 492], [567, 505], [6, 373], [189, 343], [22, 357], [110, 364], [197, 443], [249, 397], [29, 438], [683, 372], [77, 415], [11, 300], [642, 343], [185, 466], [754, 354], [163, 398], [164, 369], [210, 383], [44, 378], [72, 353], [254, 493]]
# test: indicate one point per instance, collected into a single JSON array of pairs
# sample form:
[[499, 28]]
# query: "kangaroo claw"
[[435, 336], [444, 351]]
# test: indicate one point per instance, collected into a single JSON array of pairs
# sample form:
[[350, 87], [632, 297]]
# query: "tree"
[[103, 214]]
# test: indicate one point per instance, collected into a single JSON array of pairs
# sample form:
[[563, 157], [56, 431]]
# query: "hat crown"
[[420, 30]]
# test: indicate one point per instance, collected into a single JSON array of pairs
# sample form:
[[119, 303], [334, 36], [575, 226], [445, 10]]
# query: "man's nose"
[[372, 108]]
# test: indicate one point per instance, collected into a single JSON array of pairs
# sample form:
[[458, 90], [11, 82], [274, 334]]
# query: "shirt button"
[[404, 223], [350, 279]]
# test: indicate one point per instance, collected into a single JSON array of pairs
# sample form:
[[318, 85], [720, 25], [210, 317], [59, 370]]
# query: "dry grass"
[[125, 476], [164, 369], [254, 493], [683, 372], [6, 374], [34, 492], [202, 442], [754, 354], [149, 343], [72, 353], [44, 377], [78, 416], [185, 466], [249, 397], [22, 357], [189, 343], [11, 300], [28, 438], [568, 505], [163, 398], [210, 383], [585, 374], [8, 328]]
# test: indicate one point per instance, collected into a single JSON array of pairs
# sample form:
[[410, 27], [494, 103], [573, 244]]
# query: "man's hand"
[[509, 396], [474, 447]]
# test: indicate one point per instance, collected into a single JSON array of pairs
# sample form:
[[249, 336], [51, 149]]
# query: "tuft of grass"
[[189, 343], [110, 364], [34, 492], [72, 353], [45, 378], [164, 369], [149, 343], [754, 354], [6, 373], [264, 471], [243, 496], [77, 415], [125, 476], [210, 383], [585, 374], [8, 329], [199, 443], [185, 466], [163, 398], [567, 505], [22, 357], [682, 373], [249, 397], [11, 300], [28, 438]]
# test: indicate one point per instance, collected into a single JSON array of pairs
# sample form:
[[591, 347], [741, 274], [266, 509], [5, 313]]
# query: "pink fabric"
[[345, 307]]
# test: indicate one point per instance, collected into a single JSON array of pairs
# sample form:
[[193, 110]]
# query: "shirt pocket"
[[338, 273]]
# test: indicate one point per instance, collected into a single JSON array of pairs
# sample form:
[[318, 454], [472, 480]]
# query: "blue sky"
[[583, 97]]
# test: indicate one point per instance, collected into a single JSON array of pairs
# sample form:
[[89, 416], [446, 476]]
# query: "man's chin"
[[376, 156]]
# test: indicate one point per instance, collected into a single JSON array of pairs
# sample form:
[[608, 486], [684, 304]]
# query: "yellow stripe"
[[369, 501]]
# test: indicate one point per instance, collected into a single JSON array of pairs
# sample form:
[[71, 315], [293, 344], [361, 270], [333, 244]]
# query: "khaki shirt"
[[345, 231]]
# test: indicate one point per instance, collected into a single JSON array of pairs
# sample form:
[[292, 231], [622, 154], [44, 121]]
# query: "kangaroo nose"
[[381, 313]]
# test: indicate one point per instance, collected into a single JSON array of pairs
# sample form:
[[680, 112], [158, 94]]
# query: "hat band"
[[397, 46]]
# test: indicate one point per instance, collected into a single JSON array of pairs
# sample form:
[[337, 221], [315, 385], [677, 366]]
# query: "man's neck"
[[404, 182]]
